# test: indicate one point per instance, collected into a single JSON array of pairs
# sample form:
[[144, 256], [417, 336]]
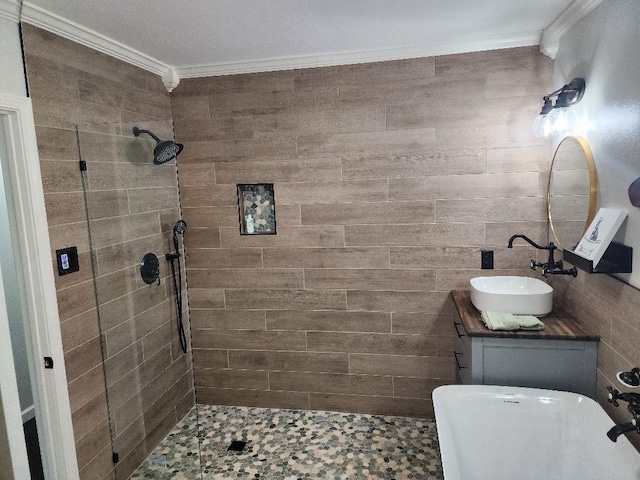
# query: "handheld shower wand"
[[179, 229]]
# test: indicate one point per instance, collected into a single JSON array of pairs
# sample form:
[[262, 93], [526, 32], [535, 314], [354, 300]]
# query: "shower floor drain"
[[237, 446]]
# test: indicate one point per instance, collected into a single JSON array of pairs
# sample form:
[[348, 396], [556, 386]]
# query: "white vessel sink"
[[517, 295]]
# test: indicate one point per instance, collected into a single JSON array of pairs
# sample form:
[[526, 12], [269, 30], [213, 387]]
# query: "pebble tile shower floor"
[[295, 444]]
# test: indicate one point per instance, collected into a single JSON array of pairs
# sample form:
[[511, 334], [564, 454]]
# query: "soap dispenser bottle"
[[250, 224]]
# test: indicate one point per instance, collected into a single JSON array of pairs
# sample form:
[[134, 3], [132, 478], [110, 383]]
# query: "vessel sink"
[[511, 294]]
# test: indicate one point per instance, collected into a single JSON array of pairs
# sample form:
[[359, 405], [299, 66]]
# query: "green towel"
[[508, 321]]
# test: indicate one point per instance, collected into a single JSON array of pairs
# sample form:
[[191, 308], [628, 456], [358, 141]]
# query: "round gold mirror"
[[573, 191]]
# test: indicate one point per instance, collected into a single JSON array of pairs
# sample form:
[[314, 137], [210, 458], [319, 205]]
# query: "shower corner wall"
[[132, 206], [70, 85]]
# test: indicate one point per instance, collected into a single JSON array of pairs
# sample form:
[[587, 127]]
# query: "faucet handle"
[[635, 419], [534, 264], [613, 396], [634, 410]]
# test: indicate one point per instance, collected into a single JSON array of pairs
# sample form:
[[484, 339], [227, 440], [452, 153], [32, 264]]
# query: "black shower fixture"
[[164, 151], [178, 229]]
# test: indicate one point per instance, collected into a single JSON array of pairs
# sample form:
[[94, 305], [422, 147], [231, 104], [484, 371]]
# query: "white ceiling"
[[204, 37]]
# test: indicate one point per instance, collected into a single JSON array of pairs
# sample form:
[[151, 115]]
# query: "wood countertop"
[[557, 325]]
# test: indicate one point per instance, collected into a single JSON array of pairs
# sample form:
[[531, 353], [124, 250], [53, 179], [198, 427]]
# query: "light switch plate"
[[67, 260]]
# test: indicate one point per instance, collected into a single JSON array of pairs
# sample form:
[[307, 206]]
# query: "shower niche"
[[256, 208], [132, 205]]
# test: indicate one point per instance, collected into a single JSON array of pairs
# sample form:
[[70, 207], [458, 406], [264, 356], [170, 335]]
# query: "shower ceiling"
[[198, 37]]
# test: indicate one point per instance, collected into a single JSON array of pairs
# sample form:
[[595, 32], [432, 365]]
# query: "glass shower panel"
[[132, 208]]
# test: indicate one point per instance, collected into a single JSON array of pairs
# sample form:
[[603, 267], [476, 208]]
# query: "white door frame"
[[42, 329]]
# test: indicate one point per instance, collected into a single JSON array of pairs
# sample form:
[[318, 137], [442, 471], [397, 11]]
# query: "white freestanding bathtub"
[[510, 433]]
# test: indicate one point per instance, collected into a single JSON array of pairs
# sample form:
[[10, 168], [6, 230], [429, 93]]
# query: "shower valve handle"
[[613, 396]]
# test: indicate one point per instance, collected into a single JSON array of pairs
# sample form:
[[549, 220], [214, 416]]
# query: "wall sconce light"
[[559, 118]]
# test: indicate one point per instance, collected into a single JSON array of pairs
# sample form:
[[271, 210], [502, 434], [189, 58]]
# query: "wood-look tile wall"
[[609, 308], [132, 206], [389, 180]]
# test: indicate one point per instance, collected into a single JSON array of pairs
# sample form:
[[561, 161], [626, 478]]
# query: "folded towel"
[[529, 322], [508, 321], [500, 321]]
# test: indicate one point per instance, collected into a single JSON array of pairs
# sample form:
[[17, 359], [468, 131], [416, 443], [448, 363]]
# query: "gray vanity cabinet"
[[562, 358]]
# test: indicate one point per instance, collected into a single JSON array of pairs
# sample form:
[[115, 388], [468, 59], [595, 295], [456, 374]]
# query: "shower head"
[[164, 150], [178, 229]]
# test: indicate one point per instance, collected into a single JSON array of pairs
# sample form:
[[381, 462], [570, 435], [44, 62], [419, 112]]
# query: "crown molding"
[[171, 75], [10, 10], [575, 11], [358, 56], [53, 23]]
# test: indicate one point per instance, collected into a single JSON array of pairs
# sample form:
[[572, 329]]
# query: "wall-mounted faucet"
[[551, 267], [633, 399]]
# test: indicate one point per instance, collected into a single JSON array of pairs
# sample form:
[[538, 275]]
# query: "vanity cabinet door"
[[550, 364], [462, 352], [568, 365]]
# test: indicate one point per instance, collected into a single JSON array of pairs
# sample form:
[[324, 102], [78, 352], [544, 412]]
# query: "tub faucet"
[[633, 399], [551, 267], [621, 429]]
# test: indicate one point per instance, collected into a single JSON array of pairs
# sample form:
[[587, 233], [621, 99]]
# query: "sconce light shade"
[[562, 120], [542, 125], [559, 118]]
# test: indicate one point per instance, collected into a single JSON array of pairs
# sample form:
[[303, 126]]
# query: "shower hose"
[[177, 287]]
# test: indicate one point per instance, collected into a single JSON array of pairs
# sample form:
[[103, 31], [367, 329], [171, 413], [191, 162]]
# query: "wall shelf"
[[617, 258]]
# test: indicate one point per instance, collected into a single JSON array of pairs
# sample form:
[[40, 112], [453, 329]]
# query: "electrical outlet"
[[486, 261]]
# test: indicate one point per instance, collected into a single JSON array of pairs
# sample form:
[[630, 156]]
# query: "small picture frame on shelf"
[[256, 209]]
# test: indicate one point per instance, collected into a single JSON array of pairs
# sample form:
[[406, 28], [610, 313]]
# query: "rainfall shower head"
[[164, 150]]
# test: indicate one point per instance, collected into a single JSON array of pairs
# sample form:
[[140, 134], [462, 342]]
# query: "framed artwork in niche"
[[256, 209]]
